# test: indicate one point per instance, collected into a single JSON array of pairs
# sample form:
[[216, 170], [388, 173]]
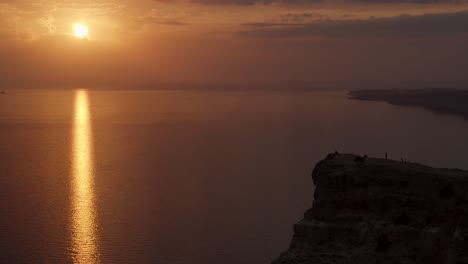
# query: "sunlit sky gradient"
[[144, 43]]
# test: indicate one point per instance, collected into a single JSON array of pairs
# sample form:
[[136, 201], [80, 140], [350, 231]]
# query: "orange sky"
[[234, 42]]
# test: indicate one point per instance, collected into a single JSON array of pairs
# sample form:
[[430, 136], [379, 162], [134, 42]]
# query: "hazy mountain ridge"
[[382, 211], [447, 101]]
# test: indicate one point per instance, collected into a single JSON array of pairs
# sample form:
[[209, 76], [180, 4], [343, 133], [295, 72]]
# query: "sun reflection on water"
[[84, 230]]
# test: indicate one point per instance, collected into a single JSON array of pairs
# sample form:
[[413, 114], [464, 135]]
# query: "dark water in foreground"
[[184, 177]]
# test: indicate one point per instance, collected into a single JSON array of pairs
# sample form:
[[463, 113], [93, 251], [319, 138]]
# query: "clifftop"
[[382, 211]]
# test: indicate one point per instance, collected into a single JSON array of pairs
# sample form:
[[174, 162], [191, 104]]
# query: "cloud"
[[301, 17], [404, 25], [253, 2], [270, 25], [156, 16], [287, 20], [48, 24], [305, 2], [413, 1]]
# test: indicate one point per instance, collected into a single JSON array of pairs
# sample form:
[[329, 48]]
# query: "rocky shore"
[[446, 101], [368, 210]]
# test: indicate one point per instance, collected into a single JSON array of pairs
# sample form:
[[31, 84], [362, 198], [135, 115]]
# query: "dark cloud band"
[[414, 26], [253, 2]]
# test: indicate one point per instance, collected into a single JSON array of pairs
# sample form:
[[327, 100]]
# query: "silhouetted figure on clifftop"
[[360, 159]]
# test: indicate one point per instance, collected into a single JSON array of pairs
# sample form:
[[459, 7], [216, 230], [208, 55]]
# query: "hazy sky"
[[315, 43]]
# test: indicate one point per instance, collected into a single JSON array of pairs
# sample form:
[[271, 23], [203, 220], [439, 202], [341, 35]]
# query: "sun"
[[80, 30]]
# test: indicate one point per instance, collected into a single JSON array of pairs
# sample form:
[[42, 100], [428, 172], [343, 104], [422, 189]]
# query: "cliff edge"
[[382, 211]]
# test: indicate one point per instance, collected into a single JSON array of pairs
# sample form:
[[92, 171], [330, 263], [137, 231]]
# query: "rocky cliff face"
[[382, 211]]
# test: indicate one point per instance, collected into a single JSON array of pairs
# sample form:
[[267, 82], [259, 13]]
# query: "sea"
[[184, 176]]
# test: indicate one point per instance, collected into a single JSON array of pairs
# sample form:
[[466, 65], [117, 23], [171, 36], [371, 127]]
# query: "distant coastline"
[[445, 101]]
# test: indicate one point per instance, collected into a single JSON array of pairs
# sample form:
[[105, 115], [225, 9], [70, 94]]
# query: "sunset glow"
[[198, 131], [80, 30], [241, 42]]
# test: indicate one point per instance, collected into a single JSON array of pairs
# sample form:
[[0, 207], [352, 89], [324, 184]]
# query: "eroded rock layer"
[[382, 211]]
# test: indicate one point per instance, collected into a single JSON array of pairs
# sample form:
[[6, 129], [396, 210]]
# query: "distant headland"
[[369, 210], [446, 101]]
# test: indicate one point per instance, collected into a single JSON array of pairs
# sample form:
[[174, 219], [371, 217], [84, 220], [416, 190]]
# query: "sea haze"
[[185, 176]]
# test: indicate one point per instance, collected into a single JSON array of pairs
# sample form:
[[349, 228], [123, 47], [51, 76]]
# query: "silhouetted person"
[[359, 159], [386, 155]]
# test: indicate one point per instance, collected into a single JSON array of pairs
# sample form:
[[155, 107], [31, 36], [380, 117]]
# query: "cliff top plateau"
[[368, 210]]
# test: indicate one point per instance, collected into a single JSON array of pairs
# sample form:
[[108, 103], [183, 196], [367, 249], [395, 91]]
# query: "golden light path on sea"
[[83, 214]]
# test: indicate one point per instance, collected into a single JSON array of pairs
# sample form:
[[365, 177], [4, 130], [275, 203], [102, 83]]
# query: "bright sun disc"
[[80, 30]]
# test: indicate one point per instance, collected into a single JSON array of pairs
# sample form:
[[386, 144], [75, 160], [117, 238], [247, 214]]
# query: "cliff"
[[446, 101], [382, 211]]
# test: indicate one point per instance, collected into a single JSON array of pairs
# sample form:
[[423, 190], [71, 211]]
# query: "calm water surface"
[[182, 176]]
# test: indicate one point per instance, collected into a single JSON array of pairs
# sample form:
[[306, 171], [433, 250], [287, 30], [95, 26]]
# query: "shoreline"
[[442, 101]]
